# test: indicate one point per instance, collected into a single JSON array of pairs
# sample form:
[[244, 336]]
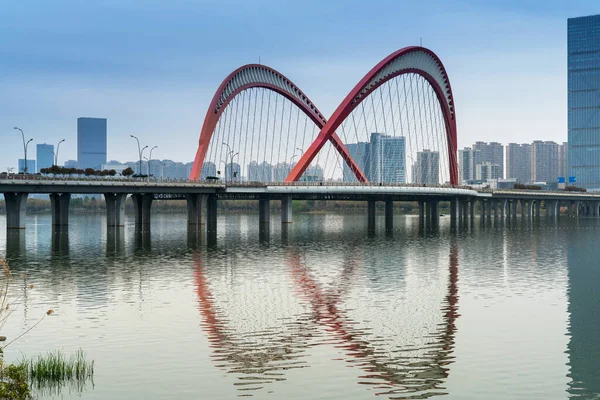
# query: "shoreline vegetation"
[[90, 205], [41, 375]]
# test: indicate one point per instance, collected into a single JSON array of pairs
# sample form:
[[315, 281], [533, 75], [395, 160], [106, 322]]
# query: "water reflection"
[[584, 310], [259, 340], [258, 357]]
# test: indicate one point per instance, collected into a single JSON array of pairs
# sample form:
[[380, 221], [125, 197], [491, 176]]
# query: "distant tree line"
[[527, 187], [57, 170]]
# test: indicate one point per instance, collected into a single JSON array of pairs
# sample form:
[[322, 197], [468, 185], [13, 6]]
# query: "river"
[[323, 309]]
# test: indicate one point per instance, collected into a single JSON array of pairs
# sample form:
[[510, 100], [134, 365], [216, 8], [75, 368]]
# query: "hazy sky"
[[151, 67]]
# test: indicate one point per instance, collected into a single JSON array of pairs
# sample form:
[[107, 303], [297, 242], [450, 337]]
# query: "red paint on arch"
[[212, 118]]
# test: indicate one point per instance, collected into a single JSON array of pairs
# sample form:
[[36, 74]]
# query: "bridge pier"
[[195, 210], [211, 214], [389, 215], [537, 209], [286, 210], [454, 212], [115, 208], [371, 213], [421, 214], [59, 204], [142, 203], [264, 211], [16, 204]]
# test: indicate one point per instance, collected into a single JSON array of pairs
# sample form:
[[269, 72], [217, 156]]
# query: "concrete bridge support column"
[[142, 203], [488, 210], [195, 210], [454, 214], [286, 210], [537, 209], [264, 211], [526, 208], [482, 210], [115, 208], [577, 208], [472, 211], [59, 204], [514, 208], [435, 214], [389, 215], [211, 214], [371, 213], [16, 204], [421, 214], [428, 211]]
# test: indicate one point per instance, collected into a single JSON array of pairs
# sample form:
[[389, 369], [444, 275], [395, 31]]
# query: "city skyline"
[[100, 84]]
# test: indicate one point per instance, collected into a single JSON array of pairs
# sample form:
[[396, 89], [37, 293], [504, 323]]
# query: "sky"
[[152, 67]]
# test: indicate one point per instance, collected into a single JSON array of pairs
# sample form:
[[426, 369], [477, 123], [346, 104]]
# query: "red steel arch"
[[413, 59], [253, 76]]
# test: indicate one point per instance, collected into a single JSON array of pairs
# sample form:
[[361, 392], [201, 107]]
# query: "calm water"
[[320, 311]]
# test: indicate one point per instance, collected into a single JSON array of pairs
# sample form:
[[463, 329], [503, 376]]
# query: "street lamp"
[[56, 154], [24, 147], [231, 155], [140, 151], [149, 160]]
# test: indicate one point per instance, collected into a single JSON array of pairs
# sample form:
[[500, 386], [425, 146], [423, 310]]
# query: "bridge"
[[401, 112]]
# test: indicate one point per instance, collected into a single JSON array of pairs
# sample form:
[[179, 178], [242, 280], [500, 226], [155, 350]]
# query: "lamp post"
[[56, 154], [149, 160], [140, 151], [25, 145], [231, 155]]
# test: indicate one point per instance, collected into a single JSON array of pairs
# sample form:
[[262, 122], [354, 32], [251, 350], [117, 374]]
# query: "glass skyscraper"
[[388, 159], [584, 100], [45, 155], [91, 142], [361, 154]]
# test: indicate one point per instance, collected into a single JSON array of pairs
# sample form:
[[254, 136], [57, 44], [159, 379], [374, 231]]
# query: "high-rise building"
[[313, 173], [544, 161], [171, 169], [91, 142], [518, 162], [487, 170], [30, 166], [583, 47], [563, 159], [468, 160], [233, 172], [45, 155], [281, 171], [71, 164], [262, 172], [427, 168], [388, 159], [208, 169], [361, 154], [492, 152]]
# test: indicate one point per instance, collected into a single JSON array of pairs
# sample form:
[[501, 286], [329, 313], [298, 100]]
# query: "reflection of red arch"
[[327, 313], [260, 76], [416, 60]]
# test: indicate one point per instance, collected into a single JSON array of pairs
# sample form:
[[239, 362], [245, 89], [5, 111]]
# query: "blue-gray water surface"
[[322, 309]]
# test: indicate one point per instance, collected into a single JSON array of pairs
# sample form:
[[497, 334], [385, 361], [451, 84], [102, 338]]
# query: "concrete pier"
[[115, 209], [59, 203], [142, 204], [286, 210], [196, 204], [211, 214], [16, 204], [264, 211], [389, 214]]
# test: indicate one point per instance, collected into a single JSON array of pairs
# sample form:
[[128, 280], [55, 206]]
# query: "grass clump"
[[55, 366]]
